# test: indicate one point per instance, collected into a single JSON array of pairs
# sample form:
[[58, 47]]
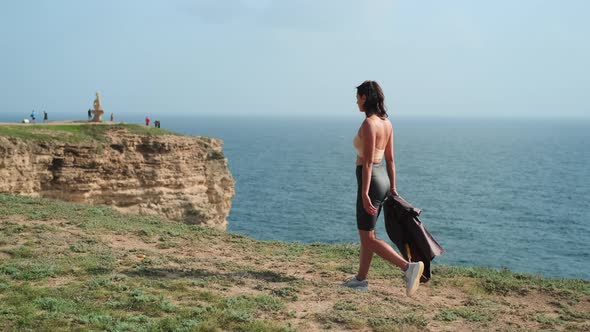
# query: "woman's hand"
[[369, 206], [394, 192]]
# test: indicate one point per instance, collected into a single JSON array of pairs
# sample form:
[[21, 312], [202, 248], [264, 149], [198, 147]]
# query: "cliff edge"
[[129, 167]]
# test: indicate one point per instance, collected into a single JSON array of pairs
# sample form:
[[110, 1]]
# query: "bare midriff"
[[359, 161]]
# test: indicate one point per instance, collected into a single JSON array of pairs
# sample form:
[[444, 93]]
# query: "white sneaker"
[[413, 274], [354, 283]]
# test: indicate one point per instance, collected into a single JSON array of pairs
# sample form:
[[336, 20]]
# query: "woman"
[[373, 141]]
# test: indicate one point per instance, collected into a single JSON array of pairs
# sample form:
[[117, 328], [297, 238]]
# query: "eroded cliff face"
[[183, 178]]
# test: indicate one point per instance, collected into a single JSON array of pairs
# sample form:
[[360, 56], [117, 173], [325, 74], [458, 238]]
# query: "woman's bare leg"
[[371, 244], [365, 261]]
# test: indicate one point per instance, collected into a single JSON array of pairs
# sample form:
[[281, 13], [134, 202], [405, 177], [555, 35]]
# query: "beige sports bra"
[[358, 146]]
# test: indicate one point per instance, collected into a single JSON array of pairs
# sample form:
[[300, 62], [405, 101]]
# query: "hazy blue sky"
[[296, 57]]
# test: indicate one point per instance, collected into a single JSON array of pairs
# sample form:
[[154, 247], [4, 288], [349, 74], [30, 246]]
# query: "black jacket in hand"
[[409, 234]]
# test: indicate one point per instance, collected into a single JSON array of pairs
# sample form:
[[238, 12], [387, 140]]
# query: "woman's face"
[[360, 101]]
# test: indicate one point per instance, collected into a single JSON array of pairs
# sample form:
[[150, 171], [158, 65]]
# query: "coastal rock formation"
[[183, 178]]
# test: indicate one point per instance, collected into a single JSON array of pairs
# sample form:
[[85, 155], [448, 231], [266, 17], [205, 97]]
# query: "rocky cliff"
[[133, 169]]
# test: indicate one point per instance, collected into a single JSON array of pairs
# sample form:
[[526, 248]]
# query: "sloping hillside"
[[66, 266]]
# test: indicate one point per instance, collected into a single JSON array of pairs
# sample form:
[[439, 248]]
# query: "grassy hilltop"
[[75, 132], [66, 266]]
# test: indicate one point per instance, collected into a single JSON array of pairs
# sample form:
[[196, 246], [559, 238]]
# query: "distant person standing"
[[33, 116], [147, 121], [89, 114], [45, 117], [112, 117]]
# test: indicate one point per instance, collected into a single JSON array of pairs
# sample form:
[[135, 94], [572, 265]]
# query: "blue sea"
[[509, 193]]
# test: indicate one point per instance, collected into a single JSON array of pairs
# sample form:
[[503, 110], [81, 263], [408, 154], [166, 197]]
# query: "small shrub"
[[472, 315], [446, 315], [28, 270], [23, 251], [286, 292], [166, 245], [167, 306], [416, 320], [268, 303], [98, 282], [55, 305], [346, 305], [215, 155], [541, 318], [79, 247]]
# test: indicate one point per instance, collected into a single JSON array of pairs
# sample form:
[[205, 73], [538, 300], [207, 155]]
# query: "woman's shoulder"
[[376, 121], [388, 123], [370, 126], [368, 123]]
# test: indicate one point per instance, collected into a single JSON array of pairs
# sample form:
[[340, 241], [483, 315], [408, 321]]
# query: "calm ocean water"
[[494, 192]]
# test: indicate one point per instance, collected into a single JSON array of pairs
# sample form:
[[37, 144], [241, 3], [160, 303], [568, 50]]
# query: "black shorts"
[[377, 193]]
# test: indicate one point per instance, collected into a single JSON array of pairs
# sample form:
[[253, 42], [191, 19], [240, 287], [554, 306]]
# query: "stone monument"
[[98, 111]]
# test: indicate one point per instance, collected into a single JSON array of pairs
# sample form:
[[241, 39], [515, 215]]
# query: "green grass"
[[505, 282], [101, 298], [470, 314], [75, 133], [60, 271]]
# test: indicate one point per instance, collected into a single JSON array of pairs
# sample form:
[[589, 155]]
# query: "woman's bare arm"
[[390, 162], [369, 138]]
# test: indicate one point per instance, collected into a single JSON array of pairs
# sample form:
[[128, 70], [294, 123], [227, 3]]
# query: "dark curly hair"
[[375, 102]]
